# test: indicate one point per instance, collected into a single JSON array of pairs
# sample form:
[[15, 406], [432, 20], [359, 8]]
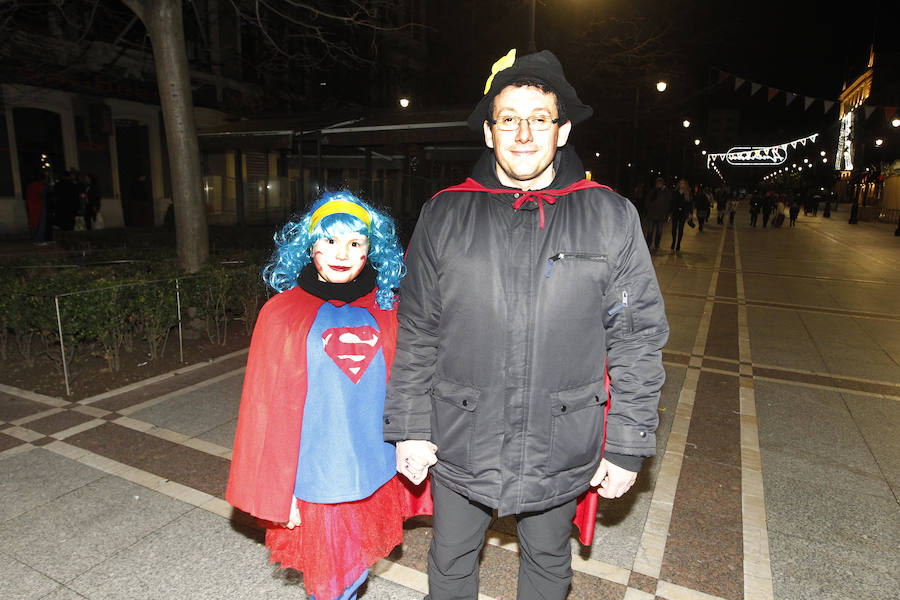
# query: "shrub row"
[[107, 308]]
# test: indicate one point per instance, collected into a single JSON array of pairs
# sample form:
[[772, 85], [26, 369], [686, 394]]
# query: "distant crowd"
[[683, 204]]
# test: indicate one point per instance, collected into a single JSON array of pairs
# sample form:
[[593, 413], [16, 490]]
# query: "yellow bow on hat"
[[504, 63]]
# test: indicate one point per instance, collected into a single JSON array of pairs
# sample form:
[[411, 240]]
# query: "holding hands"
[[414, 457], [294, 519]]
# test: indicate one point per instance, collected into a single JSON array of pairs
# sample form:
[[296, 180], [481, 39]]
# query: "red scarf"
[[539, 196]]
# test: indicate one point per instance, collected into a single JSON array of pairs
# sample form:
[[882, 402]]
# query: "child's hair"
[[293, 245]]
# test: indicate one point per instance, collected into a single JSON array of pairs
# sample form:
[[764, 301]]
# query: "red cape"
[[267, 441]]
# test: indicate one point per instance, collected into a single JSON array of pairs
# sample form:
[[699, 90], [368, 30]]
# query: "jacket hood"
[[566, 165]]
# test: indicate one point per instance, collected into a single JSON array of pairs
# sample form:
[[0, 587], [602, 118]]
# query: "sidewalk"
[[777, 473]]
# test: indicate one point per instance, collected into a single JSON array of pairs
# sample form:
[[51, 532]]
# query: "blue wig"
[[295, 241]]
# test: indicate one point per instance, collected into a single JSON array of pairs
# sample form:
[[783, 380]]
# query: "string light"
[[759, 155]]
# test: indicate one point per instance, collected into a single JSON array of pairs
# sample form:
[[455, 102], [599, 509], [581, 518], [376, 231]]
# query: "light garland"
[[843, 159], [755, 156]]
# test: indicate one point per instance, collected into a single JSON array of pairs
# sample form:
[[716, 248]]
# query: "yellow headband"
[[340, 206]]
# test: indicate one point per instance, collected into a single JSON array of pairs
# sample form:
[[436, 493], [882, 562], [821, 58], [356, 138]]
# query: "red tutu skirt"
[[335, 543]]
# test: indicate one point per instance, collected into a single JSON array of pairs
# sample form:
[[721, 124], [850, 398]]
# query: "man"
[[522, 284], [66, 196], [755, 207], [657, 206]]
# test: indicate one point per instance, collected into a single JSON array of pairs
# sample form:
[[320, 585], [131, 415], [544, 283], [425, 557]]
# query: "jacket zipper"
[[619, 306], [562, 255]]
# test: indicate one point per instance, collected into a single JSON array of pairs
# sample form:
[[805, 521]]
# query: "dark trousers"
[[677, 232], [654, 233], [545, 557]]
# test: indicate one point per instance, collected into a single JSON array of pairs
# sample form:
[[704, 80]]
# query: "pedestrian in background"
[[755, 207], [65, 196], [703, 200], [36, 206], [681, 212], [794, 211], [90, 201], [768, 205], [721, 204], [732, 208], [657, 205]]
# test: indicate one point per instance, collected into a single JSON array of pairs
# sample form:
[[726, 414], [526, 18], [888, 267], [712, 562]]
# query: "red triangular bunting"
[[889, 112], [722, 76], [772, 93]]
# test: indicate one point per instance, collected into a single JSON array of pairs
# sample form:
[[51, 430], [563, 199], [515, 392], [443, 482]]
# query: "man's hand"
[[613, 481], [414, 457], [295, 515]]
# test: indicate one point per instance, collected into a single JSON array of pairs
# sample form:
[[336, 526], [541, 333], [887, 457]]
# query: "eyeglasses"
[[512, 123]]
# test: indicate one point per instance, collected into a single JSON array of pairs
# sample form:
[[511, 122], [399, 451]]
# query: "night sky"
[[801, 46]]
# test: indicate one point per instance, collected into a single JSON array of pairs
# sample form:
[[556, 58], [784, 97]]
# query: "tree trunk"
[[163, 20]]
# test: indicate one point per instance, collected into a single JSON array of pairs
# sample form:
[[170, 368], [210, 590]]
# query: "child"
[[308, 454]]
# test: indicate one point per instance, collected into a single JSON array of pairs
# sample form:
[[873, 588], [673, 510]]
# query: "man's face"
[[525, 157]]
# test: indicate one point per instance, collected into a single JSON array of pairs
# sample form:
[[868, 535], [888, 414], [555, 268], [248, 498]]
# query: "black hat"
[[541, 66]]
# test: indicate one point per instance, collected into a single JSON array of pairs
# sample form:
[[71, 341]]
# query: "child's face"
[[340, 259]]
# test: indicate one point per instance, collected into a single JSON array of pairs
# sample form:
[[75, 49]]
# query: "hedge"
[[119, 305]]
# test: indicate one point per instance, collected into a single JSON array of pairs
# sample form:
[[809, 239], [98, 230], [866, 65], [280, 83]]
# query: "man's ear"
[[488, 135], [564, 131]]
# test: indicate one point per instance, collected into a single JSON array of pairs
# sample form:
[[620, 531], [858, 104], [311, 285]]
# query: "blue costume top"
[[342, 454]]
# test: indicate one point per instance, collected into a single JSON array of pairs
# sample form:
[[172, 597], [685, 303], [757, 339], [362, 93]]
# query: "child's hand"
[[414, 457], [295, 515]]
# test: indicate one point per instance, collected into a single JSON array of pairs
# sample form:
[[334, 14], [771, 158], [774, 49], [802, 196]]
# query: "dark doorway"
[[133, 154], [39, 143]]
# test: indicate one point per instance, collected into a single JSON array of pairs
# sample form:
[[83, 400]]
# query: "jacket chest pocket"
[[576, 427], [453, 422], [576, 260]]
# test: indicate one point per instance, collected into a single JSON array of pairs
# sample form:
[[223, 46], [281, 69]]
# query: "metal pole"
[[178, 304], [532, 47], [634, 141], [62, 347]]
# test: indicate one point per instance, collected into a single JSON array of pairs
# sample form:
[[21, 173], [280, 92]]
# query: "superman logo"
[[352, 348]]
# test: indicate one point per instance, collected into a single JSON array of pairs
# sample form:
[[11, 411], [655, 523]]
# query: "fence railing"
[[117, 315]]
